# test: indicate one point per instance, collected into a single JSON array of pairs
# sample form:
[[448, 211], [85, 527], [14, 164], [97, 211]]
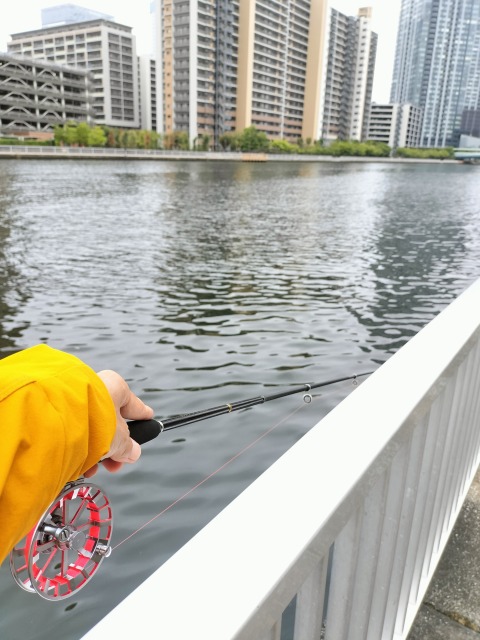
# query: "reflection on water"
[[13, 286], [205, 283], [418, 256]]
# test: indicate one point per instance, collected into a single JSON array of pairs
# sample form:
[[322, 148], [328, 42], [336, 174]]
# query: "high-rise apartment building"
[[351, 52], [105, 48], [437, 64], [224, 65]]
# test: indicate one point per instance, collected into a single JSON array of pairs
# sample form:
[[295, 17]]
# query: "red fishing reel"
[[64, 550]]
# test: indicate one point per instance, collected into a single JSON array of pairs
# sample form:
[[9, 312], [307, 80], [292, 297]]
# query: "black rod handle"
[[143, 430]]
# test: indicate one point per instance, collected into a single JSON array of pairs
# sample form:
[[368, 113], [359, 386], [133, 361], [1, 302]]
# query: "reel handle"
[[143, 430]]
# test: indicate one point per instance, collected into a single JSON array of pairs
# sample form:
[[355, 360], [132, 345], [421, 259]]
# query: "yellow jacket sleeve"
[[56, 421]]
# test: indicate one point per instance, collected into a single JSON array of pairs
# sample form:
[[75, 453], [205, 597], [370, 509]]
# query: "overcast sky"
[[24, 15]]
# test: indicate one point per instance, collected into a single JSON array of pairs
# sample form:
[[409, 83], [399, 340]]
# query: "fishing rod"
[[145, 430], [64, 550]]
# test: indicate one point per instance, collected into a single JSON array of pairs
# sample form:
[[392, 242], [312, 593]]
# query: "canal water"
[[207, 282]]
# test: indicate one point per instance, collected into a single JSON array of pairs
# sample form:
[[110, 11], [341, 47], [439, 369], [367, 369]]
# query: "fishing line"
[[64, 550], [212, 474], [187, 418]]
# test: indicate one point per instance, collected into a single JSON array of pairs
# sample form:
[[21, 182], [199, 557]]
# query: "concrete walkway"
[[451, 609]]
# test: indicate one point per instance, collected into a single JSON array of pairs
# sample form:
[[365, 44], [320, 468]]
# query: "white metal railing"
[[34, 151], [349, 524], [47, 151]]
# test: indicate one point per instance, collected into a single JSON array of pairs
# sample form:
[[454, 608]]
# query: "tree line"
[[248, 140], [81, 134], [251, 139]]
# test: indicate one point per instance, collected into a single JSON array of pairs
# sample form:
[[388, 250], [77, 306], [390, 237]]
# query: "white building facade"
[[350, 64], [398, 125], [105, 48], [147, 95]]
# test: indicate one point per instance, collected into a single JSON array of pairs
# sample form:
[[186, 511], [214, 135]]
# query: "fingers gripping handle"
[[143, 430]]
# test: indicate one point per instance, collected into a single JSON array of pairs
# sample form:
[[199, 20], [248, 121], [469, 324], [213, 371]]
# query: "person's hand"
[[127, 406]]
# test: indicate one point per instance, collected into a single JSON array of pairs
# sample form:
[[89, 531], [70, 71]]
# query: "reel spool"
[[62, 553]]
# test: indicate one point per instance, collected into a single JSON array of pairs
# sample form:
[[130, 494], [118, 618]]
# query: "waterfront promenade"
[[101, 153]]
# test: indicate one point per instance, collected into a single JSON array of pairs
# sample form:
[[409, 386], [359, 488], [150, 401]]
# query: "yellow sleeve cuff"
[[56, 421]]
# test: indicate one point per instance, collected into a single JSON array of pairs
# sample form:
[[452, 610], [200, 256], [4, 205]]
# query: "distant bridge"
[[469, 156]]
